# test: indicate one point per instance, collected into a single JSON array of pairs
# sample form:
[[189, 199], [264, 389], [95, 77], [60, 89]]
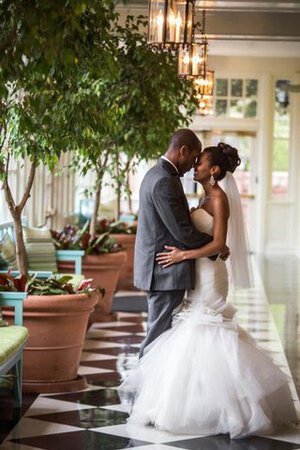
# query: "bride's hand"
[[225, 253], [175, 255]]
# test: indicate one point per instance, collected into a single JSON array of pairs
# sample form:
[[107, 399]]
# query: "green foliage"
[[54, 285], [50, 59], [73, 238], [150, 95], [72, 78], [115, 227], [46, 42], [140, 106], [58, 285]]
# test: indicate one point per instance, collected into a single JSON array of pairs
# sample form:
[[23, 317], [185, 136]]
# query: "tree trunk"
[[96, 209], [118, 189], [20, 245], [16, 212], [129, 198], [118, 201], [127, 182]]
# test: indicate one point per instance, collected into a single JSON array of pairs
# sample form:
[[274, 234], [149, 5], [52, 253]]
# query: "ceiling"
[[241, 27]]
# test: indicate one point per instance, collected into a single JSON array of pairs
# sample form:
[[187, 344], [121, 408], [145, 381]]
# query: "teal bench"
[[61, 255], [12, 342]]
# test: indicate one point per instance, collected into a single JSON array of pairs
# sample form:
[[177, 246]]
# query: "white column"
[[61, 204]]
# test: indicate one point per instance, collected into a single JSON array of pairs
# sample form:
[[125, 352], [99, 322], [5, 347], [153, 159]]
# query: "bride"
[[206, 375]]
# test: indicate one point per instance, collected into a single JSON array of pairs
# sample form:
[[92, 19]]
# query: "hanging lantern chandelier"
[[192, 59], [170, 23], [204, 85], [192, 64], [205, 103]]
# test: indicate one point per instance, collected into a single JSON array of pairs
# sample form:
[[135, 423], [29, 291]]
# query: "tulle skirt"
[[206, 376]]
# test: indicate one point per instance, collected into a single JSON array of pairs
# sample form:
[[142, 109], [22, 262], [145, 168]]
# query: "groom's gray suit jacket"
[[164, 219]]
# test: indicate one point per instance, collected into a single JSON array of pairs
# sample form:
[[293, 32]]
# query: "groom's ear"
[[184, 150]]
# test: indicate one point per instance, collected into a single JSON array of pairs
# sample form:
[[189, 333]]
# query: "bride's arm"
[[176, 255]]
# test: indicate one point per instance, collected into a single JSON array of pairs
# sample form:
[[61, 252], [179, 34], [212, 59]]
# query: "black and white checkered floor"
[[94, 418]]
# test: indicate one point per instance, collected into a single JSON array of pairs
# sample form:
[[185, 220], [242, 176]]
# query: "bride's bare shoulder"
[[220, 200]]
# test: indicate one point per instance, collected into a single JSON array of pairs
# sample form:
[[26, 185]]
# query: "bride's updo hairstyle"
[[224, 156]]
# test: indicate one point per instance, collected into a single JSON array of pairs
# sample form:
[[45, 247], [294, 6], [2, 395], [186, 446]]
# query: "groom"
[[164, 219]]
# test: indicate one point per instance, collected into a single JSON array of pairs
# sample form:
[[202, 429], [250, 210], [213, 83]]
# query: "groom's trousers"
[[160, 307]]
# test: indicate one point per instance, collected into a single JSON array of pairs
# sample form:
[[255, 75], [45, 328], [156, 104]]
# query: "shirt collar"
[[166, 159]]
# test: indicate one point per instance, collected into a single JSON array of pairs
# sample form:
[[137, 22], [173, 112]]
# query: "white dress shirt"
[[164, 157]]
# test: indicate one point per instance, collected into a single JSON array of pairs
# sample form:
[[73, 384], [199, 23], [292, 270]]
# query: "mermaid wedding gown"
[[206, 375]]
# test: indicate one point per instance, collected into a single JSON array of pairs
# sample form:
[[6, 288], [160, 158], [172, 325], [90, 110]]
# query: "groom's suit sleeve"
[[174, 214]]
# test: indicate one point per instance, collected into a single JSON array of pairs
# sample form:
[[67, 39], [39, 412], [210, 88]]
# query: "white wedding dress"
[[206, 375]]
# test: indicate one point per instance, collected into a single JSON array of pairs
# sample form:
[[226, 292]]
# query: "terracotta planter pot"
[[104, 270], [57, 326], [126, 276]]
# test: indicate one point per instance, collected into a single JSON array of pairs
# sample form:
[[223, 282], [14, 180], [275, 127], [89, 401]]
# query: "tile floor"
[[94, 418]]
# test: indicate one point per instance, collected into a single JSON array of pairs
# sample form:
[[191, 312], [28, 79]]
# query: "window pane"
[[221, 107], [236, 88], [251, 107], [280, 184], [281, 124], [280, 155], [236, 108], [222, 87], [251, 88]]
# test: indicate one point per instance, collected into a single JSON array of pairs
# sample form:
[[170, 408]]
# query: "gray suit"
[[164, 219]]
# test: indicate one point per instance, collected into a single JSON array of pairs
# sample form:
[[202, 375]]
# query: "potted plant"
[[103, 261], [124, 235], [56, 315], [47, 77]]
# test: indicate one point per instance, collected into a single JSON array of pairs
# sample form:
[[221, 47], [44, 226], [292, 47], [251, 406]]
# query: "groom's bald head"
[[184, 149], [184, 137]]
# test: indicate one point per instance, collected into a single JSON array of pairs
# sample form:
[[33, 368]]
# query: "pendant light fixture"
[[170, 23]]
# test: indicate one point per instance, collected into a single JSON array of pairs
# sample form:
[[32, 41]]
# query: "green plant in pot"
[[56, 313], [125, 235], [115, 227], [73, 238], [55, 285], [103, 261], [43, 69]]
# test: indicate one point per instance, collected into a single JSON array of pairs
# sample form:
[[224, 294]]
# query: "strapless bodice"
[[203, 221], [211, 281]]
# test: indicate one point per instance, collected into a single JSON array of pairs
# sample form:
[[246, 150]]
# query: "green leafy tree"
[[143, 105], [49, 54]]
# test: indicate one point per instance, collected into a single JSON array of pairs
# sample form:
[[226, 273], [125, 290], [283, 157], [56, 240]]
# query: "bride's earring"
[[212, 180]]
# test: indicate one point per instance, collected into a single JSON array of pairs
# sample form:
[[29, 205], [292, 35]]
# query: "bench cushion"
[[40, 250], [8, 256], [12, 338]]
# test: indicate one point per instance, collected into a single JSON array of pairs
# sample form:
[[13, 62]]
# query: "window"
[[236, 97], [281, 141]]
